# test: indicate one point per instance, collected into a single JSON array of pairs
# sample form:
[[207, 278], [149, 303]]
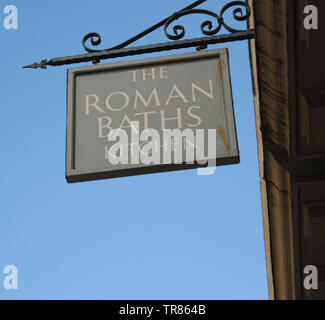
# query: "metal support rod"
[[207, 28], [155, 27], [101, 55]]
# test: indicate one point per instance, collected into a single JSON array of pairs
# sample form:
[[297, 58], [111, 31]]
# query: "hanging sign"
[[151, 115]]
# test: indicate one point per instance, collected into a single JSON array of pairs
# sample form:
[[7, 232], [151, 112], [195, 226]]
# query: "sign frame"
[[75, 175]]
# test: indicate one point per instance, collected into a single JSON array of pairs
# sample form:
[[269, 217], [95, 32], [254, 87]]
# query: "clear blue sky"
[[163, 236]]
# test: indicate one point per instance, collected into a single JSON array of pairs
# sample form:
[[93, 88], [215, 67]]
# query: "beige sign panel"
[[151, 115]]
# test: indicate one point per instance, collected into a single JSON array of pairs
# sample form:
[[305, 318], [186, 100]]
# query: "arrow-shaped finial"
[[36, 65]]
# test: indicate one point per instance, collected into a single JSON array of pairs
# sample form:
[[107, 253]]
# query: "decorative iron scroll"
[[241, 12], [96, 39], [210, 28], [207, 26]]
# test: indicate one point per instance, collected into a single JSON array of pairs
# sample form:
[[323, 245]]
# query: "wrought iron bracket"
[[241, 12]]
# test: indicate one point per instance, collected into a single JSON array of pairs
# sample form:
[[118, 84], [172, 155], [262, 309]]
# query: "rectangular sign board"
[[151, 115]]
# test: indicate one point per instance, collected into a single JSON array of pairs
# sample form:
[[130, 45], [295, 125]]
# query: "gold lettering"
[[93, 104], [154, 94], [186, 142], [126, 103], [106, 153], [178, 118], [126, 118], [145, 117], [101, 126], [163, 72], [145, 74], [179, 94], [192, 115], [134, 72], [196, 87]]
